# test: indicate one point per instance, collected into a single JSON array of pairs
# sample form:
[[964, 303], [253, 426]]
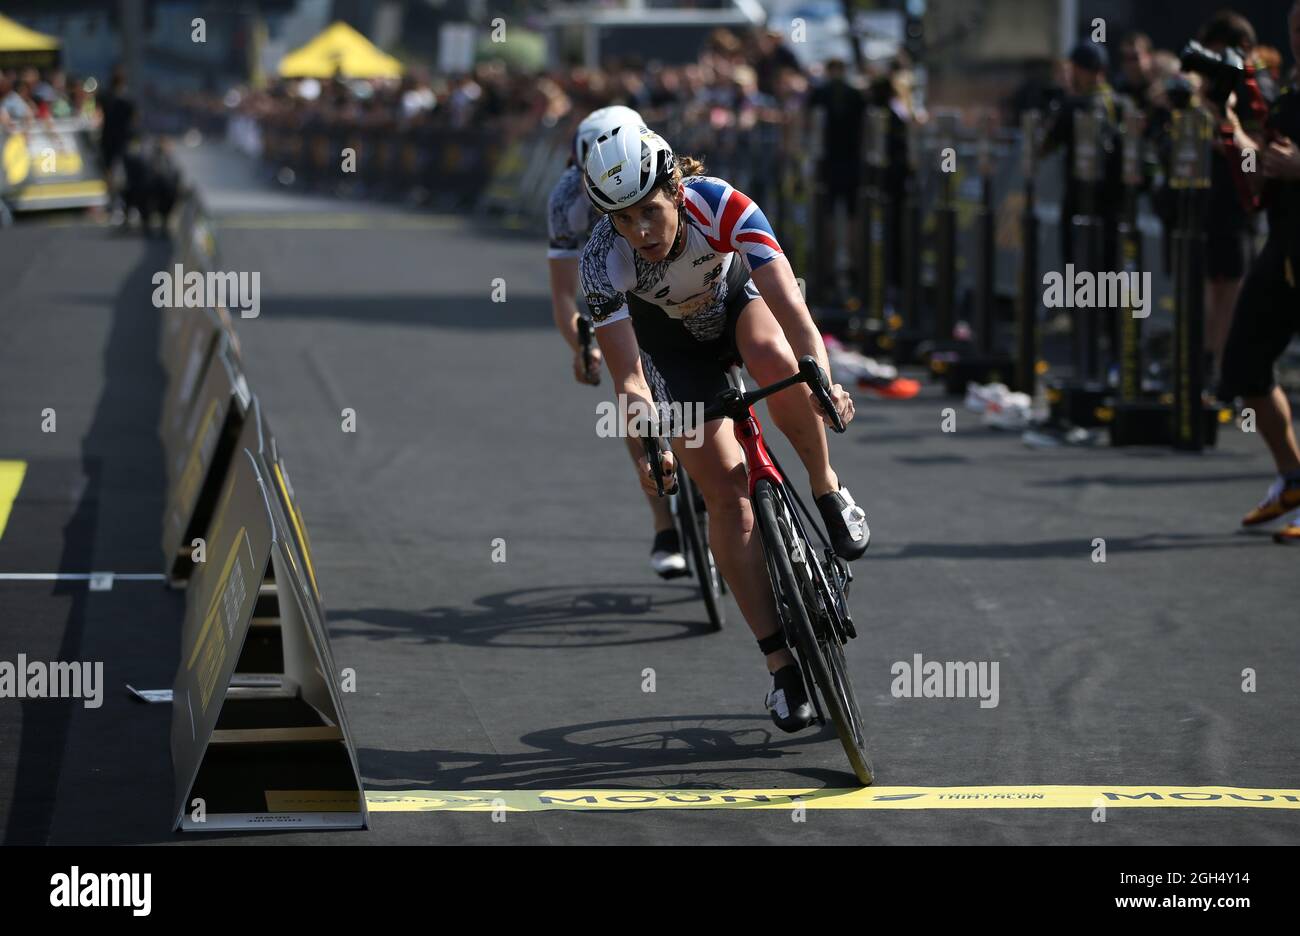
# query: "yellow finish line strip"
[[978, 797], [11, 479]]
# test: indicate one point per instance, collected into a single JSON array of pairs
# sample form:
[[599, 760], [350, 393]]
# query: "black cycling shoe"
[[666, 555], [787, 702], [846, 523]]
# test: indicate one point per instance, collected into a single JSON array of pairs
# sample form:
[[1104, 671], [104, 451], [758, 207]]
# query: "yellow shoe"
[[1282, 498], [1289, 533]]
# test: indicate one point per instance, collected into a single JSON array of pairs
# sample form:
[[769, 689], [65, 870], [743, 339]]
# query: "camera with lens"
[[1223, 73]]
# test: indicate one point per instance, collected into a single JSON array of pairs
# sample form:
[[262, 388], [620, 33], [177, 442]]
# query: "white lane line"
[[80, 576], [98, 581]]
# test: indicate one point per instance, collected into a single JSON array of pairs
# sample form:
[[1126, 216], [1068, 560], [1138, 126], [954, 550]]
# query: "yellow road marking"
[[897, 797], [11, 479]]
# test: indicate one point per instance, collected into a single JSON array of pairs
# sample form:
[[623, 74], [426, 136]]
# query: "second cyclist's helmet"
[[598, 122], [625, 165]]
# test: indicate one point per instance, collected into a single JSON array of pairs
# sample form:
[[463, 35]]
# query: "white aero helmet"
[[598, 122], [624, 166]]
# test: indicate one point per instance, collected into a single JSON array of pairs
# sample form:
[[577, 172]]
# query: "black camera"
[[1223, 72]]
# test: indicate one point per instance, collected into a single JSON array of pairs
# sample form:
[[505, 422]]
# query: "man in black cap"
[[1089, 93], [839, 168]]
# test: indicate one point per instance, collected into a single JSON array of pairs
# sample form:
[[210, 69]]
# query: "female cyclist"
[[569, 218], [682, 272]]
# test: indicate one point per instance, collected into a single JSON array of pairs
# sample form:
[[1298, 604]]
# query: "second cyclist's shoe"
[[846, 523], [666, 555], [1291, 532], [787, 702], [1282, 498]]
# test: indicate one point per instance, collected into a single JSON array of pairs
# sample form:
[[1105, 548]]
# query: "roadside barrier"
[[259, 734]]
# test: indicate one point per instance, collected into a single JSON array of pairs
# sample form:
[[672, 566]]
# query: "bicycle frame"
[[760, 465], [749, 434]]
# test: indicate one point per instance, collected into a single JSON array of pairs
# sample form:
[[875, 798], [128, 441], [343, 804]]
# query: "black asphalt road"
[[482, 675]]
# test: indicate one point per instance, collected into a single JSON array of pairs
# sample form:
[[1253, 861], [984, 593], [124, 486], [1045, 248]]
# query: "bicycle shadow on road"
[[543, 618], [1061, 548], [670, 752]]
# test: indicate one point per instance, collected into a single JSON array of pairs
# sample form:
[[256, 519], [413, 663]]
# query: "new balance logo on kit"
[[88, 889], [1086, 290]]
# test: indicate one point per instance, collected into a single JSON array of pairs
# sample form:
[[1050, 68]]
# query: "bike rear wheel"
[[695, 537], [809, 630]]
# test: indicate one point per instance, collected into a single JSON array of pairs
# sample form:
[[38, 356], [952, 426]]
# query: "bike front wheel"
[[816, 642], [695, 537]]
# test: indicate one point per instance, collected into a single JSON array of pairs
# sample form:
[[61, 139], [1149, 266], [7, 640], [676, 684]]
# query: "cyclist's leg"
[[717, 468], [768, 358], [687, 372], [666, 556]]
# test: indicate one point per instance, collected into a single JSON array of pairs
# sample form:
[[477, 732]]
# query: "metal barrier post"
[[1029, 295], [877, 210], [1193, 132], [985, 302], [945, 280], [1130, 239]]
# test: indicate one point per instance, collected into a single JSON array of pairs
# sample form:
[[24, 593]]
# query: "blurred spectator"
[[773, 56], [1229, 225], [1136, 68], [1089, 93], [16, 110], [839, 170], [1268, 65], [842, 105], [115, 133], [893, 92]]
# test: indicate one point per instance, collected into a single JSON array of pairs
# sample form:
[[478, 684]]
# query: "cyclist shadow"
[[1063, 548], [670, 752], [550, 617]]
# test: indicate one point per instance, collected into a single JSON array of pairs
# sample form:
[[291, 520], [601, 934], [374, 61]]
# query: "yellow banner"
[[975, 797]]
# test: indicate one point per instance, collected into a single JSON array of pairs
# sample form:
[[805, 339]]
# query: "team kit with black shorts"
[[685, 308]]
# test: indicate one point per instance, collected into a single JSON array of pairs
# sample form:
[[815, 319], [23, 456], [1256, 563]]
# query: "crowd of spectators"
[[736, 81], [28, 95]]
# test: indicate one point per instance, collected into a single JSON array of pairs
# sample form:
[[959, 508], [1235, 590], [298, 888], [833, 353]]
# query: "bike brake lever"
[[656, 463], [584, 341], [815, 377], [655, 456]]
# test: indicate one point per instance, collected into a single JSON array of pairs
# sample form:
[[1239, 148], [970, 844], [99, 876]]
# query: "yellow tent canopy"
[[339, 50], [20, 46], [18, 38]]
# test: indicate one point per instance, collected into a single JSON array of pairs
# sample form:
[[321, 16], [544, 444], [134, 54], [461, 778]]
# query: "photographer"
[[1268, 311], [1229, 224]]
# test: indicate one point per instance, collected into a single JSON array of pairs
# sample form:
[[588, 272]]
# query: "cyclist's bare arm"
[[623, 356], [776, 283], [564, 298]]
